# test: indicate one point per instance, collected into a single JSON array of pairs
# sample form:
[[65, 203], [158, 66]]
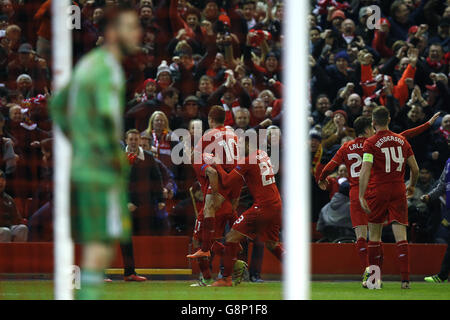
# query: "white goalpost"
[[63, 246], [296, 190]]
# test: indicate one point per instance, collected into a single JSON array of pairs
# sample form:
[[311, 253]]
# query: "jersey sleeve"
[[368, 151], [411, 133], [329, 168], [235, 177], [339, 156], [200, 168], [242, 169]]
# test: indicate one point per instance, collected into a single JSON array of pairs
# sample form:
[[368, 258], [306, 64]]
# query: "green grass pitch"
[[150, 290], [181, 290], [352, 290]]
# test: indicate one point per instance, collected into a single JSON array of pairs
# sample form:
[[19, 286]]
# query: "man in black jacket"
[[145, 189]]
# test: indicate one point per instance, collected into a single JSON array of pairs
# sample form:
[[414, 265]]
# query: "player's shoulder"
[[228, 131], [93, 67], [353, 145], [346, 145], [397, 135], [369, 142]]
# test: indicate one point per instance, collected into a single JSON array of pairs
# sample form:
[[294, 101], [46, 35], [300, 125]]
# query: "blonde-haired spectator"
[[160, 137]]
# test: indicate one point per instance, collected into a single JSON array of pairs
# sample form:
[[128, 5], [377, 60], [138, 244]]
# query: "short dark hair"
[[320, 96], [380, 116], [427, 166], [206, 78], [132, 131], [193, 11], [361, 124], [435, 44], [394, 7], [247, 2], [217, 113]]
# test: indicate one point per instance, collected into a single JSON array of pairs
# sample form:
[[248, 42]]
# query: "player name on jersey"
[[382, 140], [355, 146]]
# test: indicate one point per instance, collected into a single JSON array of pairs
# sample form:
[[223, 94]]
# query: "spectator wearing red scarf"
[[433, 63], [161, 138]]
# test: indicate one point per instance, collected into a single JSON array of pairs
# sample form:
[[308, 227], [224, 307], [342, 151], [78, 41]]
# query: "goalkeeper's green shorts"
[[99, 213]]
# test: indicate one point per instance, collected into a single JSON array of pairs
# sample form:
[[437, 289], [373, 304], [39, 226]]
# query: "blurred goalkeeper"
[[89, 111]]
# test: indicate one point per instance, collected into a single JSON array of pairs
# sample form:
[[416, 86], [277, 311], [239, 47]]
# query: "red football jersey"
[[200, 170], [389, 151], [258, 174], [351, 154], [222, 143]]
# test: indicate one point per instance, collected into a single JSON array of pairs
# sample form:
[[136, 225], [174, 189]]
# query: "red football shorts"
[[221, 220], [260, 221], [388, 204], [357, 214]]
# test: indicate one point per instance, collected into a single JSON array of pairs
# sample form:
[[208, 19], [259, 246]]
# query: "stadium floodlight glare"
[[296, 190], [63, 246]]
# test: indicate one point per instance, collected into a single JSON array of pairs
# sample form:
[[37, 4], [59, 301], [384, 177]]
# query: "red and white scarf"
[[444, 132], [162, 145], [435, 64]]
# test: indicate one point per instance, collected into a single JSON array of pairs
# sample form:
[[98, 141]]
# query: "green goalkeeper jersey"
[[89, 111]]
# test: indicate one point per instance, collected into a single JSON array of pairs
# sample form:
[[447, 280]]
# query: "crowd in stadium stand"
[[200, 53], [194, 54], [399, 59]]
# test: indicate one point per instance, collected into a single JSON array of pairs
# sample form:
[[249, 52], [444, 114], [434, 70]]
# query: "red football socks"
[[218, 248], [375, 253], [208, 233], [203, 264], [361, 246], [230, 257], [403, 259]]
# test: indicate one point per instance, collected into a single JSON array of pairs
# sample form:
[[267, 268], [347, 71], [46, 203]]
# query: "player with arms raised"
[[351, 154], [382, 175], [262, 219]]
